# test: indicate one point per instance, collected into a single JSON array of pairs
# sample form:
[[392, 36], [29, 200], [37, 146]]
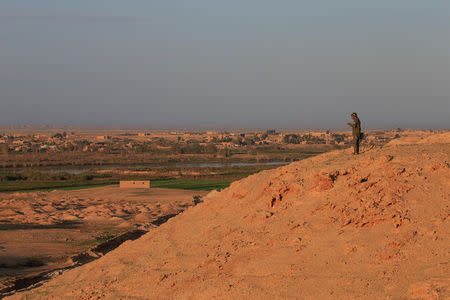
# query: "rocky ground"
[[42, 231], [336, 226]]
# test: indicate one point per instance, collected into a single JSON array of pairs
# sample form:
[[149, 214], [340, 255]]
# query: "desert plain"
[[334, 226], [48, 231]]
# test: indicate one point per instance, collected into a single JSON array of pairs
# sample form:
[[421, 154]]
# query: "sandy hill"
[[336, 226]]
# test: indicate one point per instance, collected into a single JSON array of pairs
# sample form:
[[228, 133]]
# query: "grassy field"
[[23, 186], [206, 184], [193, 178], [193, 184], [208, 179]]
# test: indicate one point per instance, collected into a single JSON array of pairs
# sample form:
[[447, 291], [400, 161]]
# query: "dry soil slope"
[[336, 226]]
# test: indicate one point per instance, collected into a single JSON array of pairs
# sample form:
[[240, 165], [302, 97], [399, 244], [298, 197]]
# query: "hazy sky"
[[297, 64]]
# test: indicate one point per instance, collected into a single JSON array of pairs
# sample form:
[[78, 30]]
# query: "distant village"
[[172, 141]]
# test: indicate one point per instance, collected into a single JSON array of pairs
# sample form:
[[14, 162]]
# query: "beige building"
[[145, 184], [103, 137]]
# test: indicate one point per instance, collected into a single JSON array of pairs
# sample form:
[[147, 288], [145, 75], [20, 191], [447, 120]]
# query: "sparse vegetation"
[[27, 159], [193, 184]]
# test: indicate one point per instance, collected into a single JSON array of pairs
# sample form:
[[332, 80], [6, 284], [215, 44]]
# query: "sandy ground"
[[336, 226], [40, 231]]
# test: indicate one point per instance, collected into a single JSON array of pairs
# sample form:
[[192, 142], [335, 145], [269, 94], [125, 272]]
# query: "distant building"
[[145, 184], [103, 137]]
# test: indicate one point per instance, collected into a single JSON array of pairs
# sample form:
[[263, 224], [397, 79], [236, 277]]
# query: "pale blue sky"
[[296, 64]]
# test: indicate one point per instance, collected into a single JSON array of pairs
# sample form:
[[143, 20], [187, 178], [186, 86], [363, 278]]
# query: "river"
[[80, 170]]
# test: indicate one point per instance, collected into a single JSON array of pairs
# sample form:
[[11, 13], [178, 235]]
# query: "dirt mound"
[[41, 231], [335, 226], [419, 137], [436, 138], [104, 204]]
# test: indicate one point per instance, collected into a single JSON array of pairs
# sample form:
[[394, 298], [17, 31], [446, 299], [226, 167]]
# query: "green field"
[[206, 178], [213, 178], [193, 184], [184, 184], [23, 186]]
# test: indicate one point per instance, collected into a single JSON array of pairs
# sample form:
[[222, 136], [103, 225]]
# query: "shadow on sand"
[[21, 284], [59, 225]]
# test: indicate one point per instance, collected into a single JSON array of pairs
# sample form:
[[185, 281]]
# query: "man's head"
[[354, 115]]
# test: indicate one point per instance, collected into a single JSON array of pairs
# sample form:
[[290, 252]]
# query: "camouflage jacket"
[[356, 127]]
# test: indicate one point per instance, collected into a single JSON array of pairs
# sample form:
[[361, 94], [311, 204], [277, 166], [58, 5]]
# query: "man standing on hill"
[[356, 126]]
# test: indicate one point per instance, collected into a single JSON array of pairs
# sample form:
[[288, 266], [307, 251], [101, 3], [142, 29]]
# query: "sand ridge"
[[336, 226]]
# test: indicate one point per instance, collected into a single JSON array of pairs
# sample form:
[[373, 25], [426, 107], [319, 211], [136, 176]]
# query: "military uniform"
[[356, 126]]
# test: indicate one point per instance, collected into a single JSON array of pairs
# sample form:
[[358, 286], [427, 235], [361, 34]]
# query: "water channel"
[[80, 170]]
